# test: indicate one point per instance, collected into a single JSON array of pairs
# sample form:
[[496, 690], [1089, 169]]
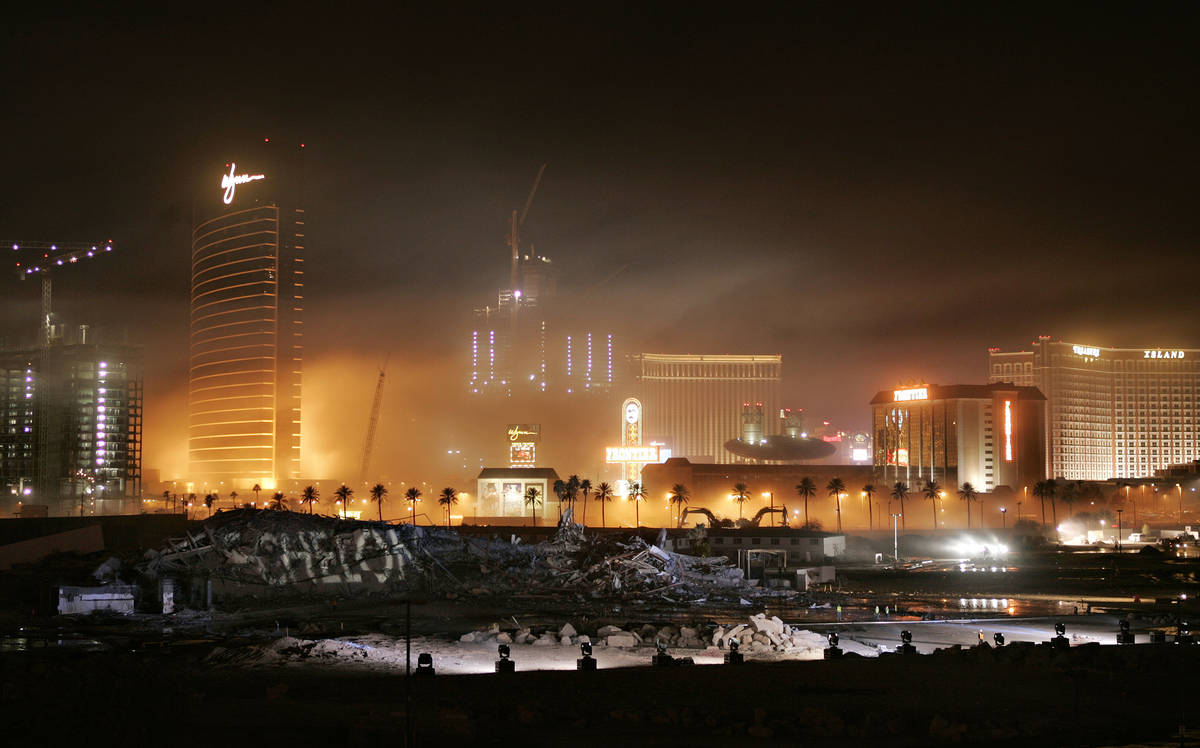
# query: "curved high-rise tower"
[[246, 347]]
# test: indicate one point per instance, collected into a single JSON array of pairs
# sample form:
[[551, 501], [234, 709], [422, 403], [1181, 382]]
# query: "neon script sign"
[[230, 181]]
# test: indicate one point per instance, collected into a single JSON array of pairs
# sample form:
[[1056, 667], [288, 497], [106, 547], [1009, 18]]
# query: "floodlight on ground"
[[832, 652], [504, 664], [1123, 636], [587, 662], [425, 665], [998, 638], [906, 637], [1060, 628], [661, 658], [733, 656]]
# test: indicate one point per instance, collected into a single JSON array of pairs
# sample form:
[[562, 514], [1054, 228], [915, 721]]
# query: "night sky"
[[876, 195]]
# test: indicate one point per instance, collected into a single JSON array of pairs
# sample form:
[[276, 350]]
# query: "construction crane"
[[43, 259], [373, 421], [515, 230]]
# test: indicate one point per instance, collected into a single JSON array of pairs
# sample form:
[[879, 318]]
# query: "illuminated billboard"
[[916, 393], [522, 454], [1086, 350], [640, 455], [524, 432]]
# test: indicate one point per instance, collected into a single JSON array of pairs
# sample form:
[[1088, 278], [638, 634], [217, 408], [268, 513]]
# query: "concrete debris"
[[248, 552]]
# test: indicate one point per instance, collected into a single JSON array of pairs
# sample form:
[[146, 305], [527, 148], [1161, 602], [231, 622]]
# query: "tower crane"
[[373, 421], [515, 229], [43, 259]]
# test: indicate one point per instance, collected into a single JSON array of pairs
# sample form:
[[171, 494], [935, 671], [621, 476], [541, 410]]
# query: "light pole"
[[1003, 514], [1179, 488], [1118, 543], [895, 539]]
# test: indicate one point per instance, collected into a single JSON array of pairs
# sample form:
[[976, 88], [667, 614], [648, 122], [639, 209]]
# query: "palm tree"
[[604, 494], [166, 498], [309, 496], [412, 496], [1069, 495], [278, 503], [572, 487], [208, 502], [637, 494], [900, 493], [932, 491], [233, 497], [256, 489], [836, 487], [585, 488], [344, 493], [741, 495], [533, 497], [968, 494], [1044, 489], [448, 498], [560, 490], [807, 489], [869, 491], [679, 498], [378, 492]]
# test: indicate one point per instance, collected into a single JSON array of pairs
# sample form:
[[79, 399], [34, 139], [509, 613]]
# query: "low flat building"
[[500, 495]]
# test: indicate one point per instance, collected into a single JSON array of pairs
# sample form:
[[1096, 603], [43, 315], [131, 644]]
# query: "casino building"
[[247, 298], [693, 403], [986, 435], [1111, 412]]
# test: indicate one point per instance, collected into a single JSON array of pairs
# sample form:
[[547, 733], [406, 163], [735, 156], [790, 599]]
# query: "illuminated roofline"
[[712, 358]]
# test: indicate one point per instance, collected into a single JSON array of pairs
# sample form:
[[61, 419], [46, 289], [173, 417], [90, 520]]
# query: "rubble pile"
[[248, 550], [278, 549], [763, 634], [759, 634], [600, 566]]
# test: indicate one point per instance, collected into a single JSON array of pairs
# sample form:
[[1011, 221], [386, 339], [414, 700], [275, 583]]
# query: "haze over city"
[[876, 198]]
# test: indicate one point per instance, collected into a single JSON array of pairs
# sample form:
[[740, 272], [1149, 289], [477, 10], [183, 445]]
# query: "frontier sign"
[[230, 181], [918, 393], [639, 455]]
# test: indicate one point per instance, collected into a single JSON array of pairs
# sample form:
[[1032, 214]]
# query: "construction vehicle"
[[45, 258], [714, 522]]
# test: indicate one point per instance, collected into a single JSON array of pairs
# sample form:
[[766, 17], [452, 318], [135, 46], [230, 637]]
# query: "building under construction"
[[71, 425]]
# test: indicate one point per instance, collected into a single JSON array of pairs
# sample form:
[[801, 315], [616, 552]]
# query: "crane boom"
[[373, 421], [514, 235], [42, 258]]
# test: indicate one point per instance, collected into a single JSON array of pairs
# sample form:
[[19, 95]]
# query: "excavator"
[[714, 522]]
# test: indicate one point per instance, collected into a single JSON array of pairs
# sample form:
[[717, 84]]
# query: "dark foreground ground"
[[1020, 695]]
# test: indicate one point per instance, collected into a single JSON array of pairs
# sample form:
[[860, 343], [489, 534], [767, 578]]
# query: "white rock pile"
[[759, 634], [764, 634]]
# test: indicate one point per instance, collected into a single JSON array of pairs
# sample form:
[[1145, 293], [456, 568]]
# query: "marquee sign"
[[640, 455], [1164, 354], [524, 432], [230, 181]]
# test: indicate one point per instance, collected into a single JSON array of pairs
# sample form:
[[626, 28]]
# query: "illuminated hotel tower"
[[1112, 412], [246, 328]]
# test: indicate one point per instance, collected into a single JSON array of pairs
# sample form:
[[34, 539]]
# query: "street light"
[[895, 538], [1003, 521]]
